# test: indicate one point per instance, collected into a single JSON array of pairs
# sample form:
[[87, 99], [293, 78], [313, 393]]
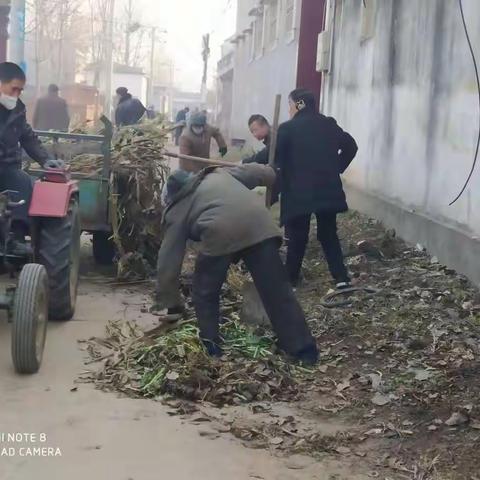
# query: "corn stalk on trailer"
[[94, 188]]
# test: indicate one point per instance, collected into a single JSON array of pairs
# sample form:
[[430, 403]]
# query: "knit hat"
[[198, 120], [175, 182]]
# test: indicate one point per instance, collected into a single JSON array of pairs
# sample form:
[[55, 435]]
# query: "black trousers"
[[270, 277], [297, 231], [14, 178]]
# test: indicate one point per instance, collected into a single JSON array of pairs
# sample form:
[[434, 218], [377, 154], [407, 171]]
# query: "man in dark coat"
[[216, 209], [181, 118], [129, 110], [15, 134], [312, 153], [260, 129], [51, 112]]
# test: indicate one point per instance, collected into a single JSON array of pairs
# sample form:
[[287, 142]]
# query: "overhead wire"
[[478, 90]]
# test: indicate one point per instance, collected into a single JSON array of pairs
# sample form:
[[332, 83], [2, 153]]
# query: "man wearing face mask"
[[195, 141], [15, 134]]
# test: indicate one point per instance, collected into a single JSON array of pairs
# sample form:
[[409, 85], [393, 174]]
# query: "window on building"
[[258, 36], [272, 23], [289, 15]]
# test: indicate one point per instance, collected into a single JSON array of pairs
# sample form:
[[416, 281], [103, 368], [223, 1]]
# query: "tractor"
[[48, 279]]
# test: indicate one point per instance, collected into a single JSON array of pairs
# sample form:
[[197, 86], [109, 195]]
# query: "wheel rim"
[[41, 319]]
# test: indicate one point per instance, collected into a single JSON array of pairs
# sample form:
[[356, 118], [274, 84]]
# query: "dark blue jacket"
[[129, 111], [15, 134], [312, 152]]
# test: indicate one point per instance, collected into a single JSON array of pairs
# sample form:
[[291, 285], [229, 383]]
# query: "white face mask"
[[198, 130], [8, 102]]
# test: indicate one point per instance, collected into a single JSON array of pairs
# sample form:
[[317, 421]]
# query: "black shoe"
[[308, 356], [212, 348]]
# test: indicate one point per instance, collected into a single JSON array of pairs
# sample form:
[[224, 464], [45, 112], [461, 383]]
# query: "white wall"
[[257, 80], [408, 95], [137, 84]]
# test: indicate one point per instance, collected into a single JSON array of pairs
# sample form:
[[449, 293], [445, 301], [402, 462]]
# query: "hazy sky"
[[186, 21]]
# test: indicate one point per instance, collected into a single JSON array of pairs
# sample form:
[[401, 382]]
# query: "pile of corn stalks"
[[138, 175]]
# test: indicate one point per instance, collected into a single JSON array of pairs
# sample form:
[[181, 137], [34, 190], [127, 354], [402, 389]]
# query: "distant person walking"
[[51, 112], [129, 110], [181, 118]]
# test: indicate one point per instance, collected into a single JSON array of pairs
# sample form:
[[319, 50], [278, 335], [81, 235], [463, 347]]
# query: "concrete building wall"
[[258, 77], [406, 91]]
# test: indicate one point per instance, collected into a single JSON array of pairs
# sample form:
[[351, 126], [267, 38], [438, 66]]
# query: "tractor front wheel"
[[30, 316], [58, 249]]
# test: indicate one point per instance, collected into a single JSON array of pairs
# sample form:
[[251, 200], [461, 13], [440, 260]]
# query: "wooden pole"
[[273, 145], [203, 161]]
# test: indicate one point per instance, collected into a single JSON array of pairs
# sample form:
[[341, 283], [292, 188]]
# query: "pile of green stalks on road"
[[174, 363]]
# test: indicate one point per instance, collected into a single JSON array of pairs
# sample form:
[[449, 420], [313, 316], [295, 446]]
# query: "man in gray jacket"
[[216, 209]]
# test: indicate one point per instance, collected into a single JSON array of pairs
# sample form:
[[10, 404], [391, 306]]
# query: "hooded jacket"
[[198, 146], [216, 210]]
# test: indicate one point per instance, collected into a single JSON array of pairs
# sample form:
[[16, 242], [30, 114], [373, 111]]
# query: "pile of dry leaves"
[[397, 385]]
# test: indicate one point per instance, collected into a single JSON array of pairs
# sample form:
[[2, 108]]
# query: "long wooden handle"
[[273, 145], [204, 161]]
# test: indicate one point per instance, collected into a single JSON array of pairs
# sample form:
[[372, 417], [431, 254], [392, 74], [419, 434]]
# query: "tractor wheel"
[[58, 250], [103, 248], [30, 317]]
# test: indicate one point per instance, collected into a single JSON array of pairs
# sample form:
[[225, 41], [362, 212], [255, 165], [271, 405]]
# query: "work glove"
[[55, 164], [223, 151]]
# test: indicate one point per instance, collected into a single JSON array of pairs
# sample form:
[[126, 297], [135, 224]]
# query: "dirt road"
[[101, 436]]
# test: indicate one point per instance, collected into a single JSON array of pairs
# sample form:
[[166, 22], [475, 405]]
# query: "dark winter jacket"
[[15, 134], [312, 152], [181, 116], [216, 210], [129, 111], [51, 113], [260, 156]]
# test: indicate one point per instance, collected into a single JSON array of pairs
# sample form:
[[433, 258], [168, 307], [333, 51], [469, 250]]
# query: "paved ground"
[[104, 437]]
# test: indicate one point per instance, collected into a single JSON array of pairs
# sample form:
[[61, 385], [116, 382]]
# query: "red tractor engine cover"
[[52, 198]]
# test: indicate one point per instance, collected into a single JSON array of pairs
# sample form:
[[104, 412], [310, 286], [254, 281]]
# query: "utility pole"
[[60, 42], [128, 32], [16, 44], [4, 14], [108, 61], [152, 66], [205, 57]]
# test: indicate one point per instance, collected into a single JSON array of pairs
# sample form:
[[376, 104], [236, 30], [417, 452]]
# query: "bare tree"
[[50, 25]]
